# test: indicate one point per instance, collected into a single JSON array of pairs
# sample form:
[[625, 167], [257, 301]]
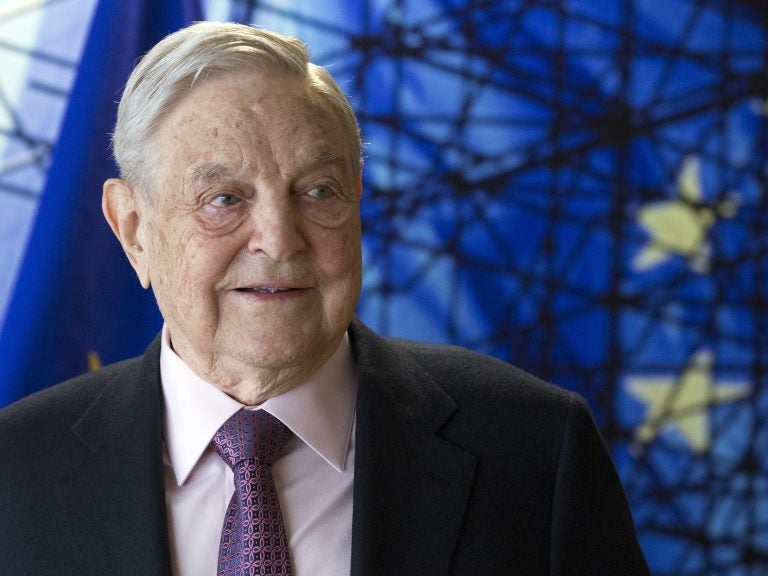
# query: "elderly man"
[[265, 430]]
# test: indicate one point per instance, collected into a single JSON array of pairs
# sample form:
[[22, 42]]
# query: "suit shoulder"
[[465, 372], [63, 402]]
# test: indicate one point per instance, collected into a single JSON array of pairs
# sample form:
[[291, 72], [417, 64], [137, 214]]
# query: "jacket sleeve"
[[593, 533]]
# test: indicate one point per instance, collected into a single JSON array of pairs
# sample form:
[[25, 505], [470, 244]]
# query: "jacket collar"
[[411, 485], [121, 455]]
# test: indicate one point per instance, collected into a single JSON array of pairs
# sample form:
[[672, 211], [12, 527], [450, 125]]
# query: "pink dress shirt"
[[313, 475]]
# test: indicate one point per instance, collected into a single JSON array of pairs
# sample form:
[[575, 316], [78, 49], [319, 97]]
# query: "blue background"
[[578, 187]]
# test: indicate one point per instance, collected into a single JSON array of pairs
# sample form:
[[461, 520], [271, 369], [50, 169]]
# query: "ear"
[[124, 212]]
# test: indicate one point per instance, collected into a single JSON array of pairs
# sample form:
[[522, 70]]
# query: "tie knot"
[[250, 434]]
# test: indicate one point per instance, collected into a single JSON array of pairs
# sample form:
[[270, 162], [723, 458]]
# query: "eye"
[[325, 204], [321, 192], [224, 200]]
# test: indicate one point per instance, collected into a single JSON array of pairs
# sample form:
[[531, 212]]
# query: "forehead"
[[244, 118]]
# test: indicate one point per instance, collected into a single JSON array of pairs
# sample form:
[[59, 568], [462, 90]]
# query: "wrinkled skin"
[[252, 242]]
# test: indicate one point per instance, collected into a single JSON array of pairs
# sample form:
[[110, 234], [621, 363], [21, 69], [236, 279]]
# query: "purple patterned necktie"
[[253, 540]]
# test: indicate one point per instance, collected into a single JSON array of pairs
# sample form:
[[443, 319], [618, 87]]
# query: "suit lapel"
[[113, 490], [411, 485]]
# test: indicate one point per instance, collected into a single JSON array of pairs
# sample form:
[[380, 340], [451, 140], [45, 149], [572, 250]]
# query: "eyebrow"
[[208, 172], [328, 156], [324, 158], [205, 173]]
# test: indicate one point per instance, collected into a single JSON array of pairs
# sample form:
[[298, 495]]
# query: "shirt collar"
[[320, 411]]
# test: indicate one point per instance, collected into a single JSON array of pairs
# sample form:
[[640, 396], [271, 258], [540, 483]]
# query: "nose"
[[275, 227]]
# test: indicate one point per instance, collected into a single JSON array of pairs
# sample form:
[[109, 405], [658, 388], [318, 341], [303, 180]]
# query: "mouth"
[[265, 290], [270, 292]]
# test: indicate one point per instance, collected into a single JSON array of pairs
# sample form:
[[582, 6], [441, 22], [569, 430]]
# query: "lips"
[[265, 290]]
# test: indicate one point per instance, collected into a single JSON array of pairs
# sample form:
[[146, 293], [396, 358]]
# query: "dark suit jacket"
[[463, 466]]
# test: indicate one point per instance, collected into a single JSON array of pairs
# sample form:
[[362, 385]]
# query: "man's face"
[[253, 247]]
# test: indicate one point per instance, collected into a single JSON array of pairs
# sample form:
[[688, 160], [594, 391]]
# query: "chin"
[[283, 344], [271, 350]]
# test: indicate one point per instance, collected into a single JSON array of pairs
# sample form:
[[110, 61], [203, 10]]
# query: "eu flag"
[[76, 298]]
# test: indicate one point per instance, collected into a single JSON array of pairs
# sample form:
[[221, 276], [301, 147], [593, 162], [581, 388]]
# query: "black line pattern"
[[32, 126], [578, 187], [36, 74]]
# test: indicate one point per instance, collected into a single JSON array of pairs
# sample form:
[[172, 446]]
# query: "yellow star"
[[680, 226], [94, 362], [682, 403]]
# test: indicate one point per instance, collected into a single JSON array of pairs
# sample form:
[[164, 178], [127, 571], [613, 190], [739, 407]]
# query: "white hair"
[[205, 49]]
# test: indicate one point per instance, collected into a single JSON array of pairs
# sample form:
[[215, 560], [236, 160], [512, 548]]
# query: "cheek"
[[339, 254], [205, 261], [186, 266]]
